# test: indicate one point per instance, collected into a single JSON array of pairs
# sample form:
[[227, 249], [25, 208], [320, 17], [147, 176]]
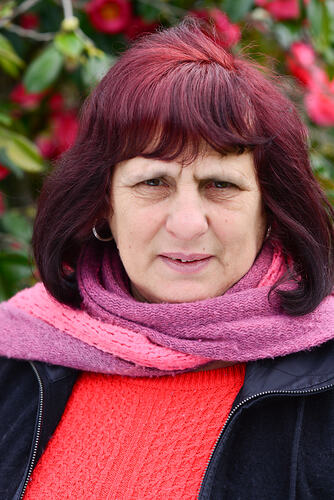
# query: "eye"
[[153, 182], [221, 185]]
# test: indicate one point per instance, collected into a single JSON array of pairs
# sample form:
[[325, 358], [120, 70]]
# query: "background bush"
[[53, 52]]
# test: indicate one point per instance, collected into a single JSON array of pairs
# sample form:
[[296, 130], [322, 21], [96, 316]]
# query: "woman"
[[186, 256]]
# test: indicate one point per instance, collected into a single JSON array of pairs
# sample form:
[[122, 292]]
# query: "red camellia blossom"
[[303, 53], [138, 26], [229, 33], [319, 99], [302, 74], [310, 77], [26, 99], [3, 172], [280, 9], [319, 105], [65, 128], [301, 62], [60, 136], [29, 21], [46, 145], [109, 16], [56, 102], [61, 129]]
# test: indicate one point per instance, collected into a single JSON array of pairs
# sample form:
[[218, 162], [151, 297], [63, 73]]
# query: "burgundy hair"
[[166, 96]]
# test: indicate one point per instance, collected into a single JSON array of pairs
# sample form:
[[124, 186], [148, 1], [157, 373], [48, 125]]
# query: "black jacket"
[[277, 444]]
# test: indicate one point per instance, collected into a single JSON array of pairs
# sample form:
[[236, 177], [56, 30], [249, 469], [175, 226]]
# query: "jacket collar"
[[303, 371]]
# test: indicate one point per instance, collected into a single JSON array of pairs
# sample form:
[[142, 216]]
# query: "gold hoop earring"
[[98, 237]]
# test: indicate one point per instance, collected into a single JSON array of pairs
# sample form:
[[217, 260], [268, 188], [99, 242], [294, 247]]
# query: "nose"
[[187, 219]]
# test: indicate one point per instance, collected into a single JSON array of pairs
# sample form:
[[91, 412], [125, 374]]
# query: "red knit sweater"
[[136, 438]]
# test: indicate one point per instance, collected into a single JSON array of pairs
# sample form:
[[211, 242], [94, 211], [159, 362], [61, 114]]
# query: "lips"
[[179, 256], [189, 266]]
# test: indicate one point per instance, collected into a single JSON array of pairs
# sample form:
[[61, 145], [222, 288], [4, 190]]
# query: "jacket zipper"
[[38, 430], [324, 388]]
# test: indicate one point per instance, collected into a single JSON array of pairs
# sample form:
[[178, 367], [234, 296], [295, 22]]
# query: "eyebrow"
[[156, 171], [150, 173]]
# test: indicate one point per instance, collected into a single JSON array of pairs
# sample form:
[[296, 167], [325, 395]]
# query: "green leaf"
[[15, 273], [7, 8], [326, 24], [285, 34], [17, 225], [314, 14], [5, 119], [9, 60], [25, 154], [69, 44], [44, 70], [149, 11], [6, 162], [320, 22], [94, 69], [20, 152], [236, 9]]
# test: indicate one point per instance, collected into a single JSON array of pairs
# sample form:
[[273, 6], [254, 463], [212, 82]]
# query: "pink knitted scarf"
[[114, 333]]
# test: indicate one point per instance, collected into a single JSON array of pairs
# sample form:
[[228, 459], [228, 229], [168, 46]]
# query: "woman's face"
[[208, 213]]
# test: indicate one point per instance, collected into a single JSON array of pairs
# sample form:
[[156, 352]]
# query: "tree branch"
[[34, 35], [68, 9], [23, 7]]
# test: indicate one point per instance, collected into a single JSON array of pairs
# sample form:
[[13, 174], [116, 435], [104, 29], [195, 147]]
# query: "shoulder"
[[28, 389], [22, 383], [16, 373]]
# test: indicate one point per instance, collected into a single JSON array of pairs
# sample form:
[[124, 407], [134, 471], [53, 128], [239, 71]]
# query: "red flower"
[[25, 99], [302, 74], [311, 77], [29, 21], [46, 145], [62, 134], [3, 172], [303, 53], [319, 99], [138, 26], [229, 33], [280, 9], [319, 104], [65, 128], [302, 64], [109, 16], [56, 102]]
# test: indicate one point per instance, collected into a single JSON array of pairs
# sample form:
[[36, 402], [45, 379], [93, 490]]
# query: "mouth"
[[186, 258], [186, 264]]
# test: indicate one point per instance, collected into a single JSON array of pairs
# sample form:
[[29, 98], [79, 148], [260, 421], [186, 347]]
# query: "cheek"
[[253, 217], [134, 228], [247, 225], [233, 226]]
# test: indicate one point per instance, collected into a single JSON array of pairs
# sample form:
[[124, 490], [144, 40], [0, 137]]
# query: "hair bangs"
[[178, 114]]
